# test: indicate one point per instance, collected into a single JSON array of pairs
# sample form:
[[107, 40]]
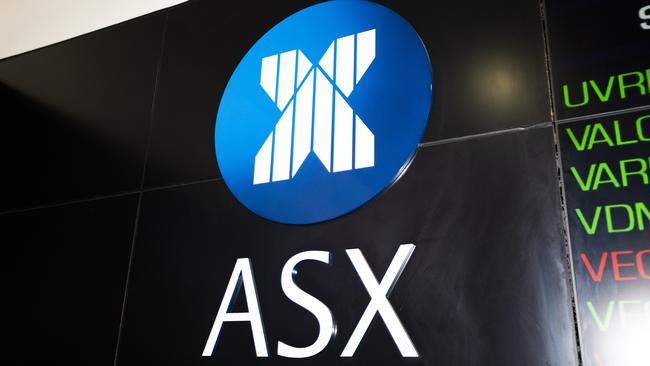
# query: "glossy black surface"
[[75, 116], [489, 71], [488, 66], [621, 338], [65, 271], [486, 285], [593, 40], [204, 42]]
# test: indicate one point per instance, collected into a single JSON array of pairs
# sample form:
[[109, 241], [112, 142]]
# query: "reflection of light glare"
[[629, 347], [503, 84], [497, 84]]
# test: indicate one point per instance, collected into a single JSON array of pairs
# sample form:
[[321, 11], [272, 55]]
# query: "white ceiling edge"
[[26, 25]]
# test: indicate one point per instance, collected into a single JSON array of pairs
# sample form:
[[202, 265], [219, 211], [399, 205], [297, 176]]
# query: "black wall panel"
[[489, 71], [204, 42], [75, 116], [66, 270]]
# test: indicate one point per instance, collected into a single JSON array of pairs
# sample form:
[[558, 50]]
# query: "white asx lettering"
[[244, 271], [321, 311], [378, 305]]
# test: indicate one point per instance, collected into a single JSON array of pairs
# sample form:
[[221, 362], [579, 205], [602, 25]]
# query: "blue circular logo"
[[324, 112]]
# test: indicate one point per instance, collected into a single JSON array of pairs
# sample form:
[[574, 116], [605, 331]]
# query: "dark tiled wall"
[[67, 267], [76, 115], [111, 186]]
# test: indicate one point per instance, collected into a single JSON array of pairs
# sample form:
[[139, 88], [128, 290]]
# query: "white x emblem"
[[315, 113]]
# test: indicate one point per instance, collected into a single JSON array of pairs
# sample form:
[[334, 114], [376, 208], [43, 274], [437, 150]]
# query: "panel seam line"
[[142, 182]]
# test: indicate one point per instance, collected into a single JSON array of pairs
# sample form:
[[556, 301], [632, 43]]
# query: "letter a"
[[242, 269]]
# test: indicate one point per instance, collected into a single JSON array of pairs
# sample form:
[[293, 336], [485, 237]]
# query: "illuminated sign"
[[606, 172], [324, 112], [614, 87]]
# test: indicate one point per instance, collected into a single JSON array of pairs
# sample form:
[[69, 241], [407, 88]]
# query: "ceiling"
[[26, 25]]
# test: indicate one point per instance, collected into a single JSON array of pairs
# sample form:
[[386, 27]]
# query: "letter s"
[[313, 305], [644, 14]]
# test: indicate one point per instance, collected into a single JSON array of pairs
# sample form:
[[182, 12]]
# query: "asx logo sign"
[[378, 306], [316, 96], [299, 141]]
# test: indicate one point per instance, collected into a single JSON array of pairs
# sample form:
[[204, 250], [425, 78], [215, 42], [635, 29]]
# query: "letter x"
[[315, 113], [378, 301]]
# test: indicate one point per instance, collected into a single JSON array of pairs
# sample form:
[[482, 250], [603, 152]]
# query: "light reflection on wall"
[[624, 334], [497, 82], [626, 347]]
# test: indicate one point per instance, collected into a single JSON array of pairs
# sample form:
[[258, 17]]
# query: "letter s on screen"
[[644, 14]]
